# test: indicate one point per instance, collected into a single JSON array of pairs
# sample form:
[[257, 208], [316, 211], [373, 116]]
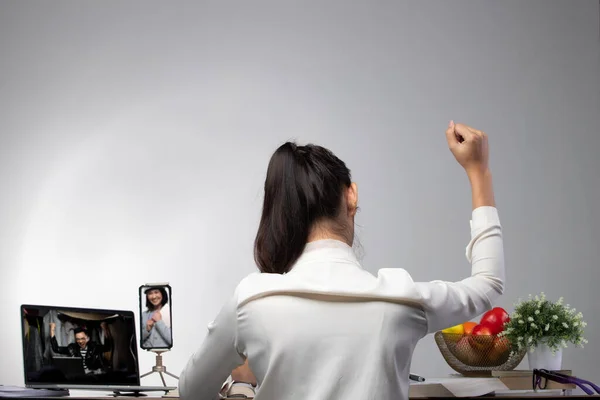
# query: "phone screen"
[[156, 328]]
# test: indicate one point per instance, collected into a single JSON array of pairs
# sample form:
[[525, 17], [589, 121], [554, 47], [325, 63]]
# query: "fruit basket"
[[472, 355], [477, 349]]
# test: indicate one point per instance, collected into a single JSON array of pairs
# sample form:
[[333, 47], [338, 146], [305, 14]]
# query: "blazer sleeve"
[[211, 364], [450, 303], [145, 334], [58, 349], [163, 330]]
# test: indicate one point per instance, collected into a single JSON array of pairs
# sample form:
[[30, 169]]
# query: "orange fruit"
[[468, 327]]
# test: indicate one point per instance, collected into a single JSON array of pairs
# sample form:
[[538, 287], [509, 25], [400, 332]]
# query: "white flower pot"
[[542, 358]]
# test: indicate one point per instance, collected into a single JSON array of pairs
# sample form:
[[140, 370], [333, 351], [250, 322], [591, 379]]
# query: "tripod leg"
[[146, 374], [170, 374], [162, 378]]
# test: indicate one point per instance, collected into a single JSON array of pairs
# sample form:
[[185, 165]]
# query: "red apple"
[[465, 353], [482, 337], [499, 351], [495, 319]]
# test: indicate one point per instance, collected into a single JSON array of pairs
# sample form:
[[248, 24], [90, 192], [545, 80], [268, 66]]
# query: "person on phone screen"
[[156, 329]]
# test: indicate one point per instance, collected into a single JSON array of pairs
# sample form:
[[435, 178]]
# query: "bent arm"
[[163, 330], [451, 303], [210, 366], [56, 348]]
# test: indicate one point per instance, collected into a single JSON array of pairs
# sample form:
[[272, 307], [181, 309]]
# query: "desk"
[[511, 396], [511, 385], [517, 395]]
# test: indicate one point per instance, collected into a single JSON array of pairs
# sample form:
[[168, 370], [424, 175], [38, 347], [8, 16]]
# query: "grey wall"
[[135, 137]]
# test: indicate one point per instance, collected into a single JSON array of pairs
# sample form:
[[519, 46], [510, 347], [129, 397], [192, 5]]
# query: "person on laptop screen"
[[89, 351]]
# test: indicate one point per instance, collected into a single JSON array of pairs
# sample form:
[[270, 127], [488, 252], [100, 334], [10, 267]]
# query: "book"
[[456, 387], [19, 391], [521, 380]]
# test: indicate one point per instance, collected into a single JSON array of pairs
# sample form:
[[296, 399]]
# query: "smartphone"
[[156, 322]]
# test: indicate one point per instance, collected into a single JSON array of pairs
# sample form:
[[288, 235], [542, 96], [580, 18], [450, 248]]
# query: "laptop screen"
[[68, 346]]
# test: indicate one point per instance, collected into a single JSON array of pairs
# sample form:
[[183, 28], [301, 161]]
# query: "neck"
[[320, 233]]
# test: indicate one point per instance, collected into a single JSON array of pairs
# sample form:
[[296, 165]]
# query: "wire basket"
[[478, 355]]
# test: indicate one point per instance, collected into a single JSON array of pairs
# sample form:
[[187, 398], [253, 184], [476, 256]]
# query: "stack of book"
[[500, 382]]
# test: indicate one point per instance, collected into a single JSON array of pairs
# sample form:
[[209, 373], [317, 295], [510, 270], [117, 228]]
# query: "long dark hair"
[[304, 185]]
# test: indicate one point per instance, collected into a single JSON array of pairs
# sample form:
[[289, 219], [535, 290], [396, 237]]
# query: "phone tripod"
[[160, 368]]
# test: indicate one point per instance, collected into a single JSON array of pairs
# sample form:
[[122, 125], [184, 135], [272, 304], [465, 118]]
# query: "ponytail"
[[304, 184]]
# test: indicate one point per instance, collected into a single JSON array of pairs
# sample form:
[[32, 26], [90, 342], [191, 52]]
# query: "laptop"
[[111, 339], [70, 367]]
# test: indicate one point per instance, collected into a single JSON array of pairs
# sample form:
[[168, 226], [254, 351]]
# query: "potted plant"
[[544, 328]]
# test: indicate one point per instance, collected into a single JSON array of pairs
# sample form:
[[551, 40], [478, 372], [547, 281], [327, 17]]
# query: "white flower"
[[565, 325], [518, 302], [575, 323], [555, 317], [529, 339], [537, 298], [537, 312], [533, 325], [547, 327], [521, 321], [560, 300], [530, 319], [519, 338]]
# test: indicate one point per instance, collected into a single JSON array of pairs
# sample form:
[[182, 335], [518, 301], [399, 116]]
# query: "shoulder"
[[256, 283], [398, 283]]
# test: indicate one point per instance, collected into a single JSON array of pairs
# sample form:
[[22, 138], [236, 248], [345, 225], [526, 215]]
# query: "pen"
[[416, 378]]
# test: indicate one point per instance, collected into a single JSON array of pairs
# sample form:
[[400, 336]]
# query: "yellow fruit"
[[459, 329]]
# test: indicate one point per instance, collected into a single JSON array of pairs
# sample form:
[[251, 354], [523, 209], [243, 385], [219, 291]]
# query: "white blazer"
[[330, 330]]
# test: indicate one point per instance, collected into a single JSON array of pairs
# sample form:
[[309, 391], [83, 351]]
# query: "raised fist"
[[469, 146]]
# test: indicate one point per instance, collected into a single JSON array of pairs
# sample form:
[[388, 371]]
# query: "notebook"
[[70, 367], [109, 336]]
